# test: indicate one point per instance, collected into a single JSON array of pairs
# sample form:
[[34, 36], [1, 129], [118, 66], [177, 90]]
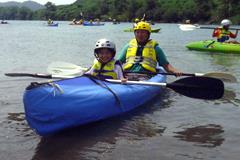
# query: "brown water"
[[171, 127]]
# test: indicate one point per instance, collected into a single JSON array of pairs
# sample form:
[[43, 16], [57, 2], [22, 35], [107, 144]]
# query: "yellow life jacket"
[[224, 33], [148, 59], [107, 72]]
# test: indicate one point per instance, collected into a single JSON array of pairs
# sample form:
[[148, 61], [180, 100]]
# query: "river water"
[[171, 127]]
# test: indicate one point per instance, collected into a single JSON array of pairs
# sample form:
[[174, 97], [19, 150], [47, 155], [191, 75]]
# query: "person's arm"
[[232, 35], [122, 54], [89, 71], [162, 60], [216, 32], [119, 71], [170, 69]]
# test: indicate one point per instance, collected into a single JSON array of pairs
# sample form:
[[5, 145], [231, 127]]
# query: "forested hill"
[[29, 4], [162, 10], [207, 11]]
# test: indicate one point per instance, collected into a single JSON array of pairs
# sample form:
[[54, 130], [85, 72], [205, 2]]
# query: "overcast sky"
[[56, 2]]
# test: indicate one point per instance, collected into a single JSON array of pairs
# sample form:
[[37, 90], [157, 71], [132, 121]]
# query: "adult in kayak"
[[105, 66], [223, 34], [143, 54]]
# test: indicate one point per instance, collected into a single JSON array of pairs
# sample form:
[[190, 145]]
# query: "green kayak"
[[214, 46], [153, 30]]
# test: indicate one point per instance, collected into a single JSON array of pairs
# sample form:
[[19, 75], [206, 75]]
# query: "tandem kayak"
[[153, 30], [50, 108], [214, 46]]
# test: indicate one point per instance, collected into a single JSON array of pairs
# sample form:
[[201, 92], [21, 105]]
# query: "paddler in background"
[[188, 21], [143, 54], [136, 22], [50, 21], [74, 21], [80, 21], [223, 34]]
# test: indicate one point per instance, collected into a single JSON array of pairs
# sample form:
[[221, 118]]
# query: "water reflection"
[[230, 97], [17, 122], [95, 140], [87, 142], [227, 60], [205, 136]]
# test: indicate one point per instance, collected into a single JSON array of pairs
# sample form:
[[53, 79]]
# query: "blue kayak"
[[50, 108], [53, 25], [85, 23]]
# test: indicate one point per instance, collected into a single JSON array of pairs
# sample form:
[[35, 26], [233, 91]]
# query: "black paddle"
[[194, 87], [199, 87], [37, 75]]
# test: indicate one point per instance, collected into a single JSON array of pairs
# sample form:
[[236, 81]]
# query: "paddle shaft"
[[38, 75], [137, 82], [69, 69], [193, 27], [163, 73], [219, 75], [222, 76], [215, 27]]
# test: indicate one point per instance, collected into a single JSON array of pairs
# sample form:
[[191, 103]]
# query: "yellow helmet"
[[143, 26]]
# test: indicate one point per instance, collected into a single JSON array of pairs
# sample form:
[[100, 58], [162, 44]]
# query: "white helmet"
[[105, 43], [226, 22]]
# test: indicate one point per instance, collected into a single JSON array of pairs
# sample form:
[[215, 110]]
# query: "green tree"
[[50, 10]]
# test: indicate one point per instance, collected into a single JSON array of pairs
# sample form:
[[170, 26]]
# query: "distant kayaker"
[[50, 21], [143, 54], [188, 21], [136, 21], [74, 21], [105, 66], [4, 22], [80, 21], [223, 34]]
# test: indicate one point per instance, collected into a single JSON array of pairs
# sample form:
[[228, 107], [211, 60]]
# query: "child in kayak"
[[105, 66], [223, 34]]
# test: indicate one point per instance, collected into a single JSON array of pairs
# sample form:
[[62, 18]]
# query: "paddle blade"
[[64, 68], [199, 87], [226, 77]]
